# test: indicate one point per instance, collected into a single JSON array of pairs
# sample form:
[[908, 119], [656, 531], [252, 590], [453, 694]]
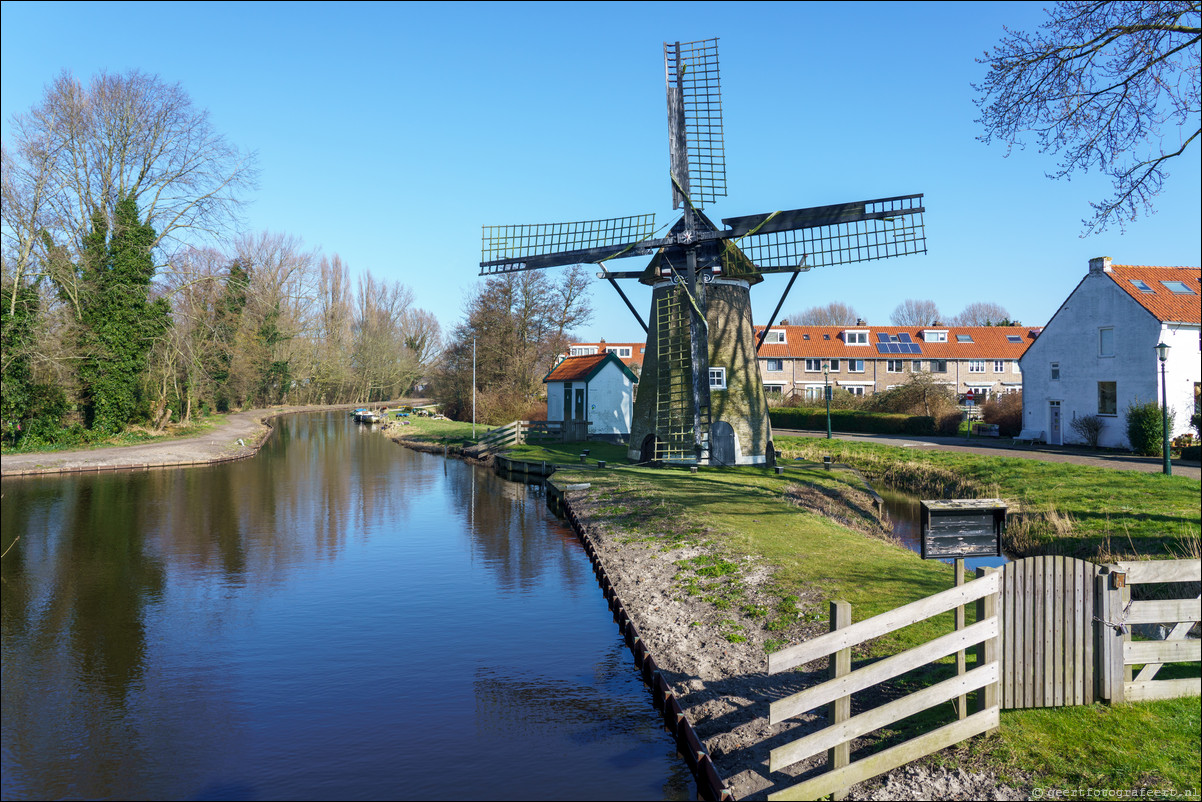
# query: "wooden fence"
[[837, 691], [534, 431], [1118, 615]]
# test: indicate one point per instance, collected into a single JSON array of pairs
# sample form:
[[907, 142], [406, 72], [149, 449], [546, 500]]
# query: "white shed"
[[598, 388], [1097, 355]]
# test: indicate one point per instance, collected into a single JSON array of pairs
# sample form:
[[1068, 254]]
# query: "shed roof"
[[584, 368]]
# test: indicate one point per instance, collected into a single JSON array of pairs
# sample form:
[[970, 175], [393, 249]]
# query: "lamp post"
[[1162, 351], [826, 371]]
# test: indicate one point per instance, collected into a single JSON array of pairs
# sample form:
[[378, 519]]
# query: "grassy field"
[[752, 514], [83, 440], [1070, 509]]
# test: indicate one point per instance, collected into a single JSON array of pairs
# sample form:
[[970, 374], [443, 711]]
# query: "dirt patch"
[[713, 653]]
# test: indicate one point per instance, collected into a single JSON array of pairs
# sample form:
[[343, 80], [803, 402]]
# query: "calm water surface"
[[336, 618], [905, 513]]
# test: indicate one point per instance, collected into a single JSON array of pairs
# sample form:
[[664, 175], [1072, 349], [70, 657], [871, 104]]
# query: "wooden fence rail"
[[836, 692]]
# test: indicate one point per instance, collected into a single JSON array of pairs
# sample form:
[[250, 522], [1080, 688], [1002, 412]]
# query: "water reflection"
[[338, 617]]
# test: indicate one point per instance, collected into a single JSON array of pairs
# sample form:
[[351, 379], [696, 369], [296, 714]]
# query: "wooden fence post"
[[987, 650], [1110, 673], [839, 710], [961, 666]]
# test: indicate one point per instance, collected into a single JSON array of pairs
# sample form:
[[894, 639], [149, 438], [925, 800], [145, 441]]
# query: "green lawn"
[[1072, 509]]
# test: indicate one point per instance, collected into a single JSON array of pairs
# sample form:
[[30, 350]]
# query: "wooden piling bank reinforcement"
[[710, 785]]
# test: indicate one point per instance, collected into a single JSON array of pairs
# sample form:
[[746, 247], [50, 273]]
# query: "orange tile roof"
[[635, 358], [1166, 305], [583, 368], [988, 342]]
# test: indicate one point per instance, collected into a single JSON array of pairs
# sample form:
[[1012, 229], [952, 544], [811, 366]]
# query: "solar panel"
[[882, 348], [883, 338], [895, 348], [904, 337]]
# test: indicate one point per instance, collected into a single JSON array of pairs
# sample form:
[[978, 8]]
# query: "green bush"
[[851, 420], [1145, 425], [1193, 453], [1006, 411]]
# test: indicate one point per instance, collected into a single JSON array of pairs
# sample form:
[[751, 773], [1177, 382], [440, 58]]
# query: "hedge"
[[851, 420], [1192, 453]]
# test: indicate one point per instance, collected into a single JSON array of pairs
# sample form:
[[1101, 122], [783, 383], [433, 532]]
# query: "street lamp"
[[1162, 351], [826, 371]]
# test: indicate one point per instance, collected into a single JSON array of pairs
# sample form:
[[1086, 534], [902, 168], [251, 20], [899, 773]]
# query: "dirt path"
[[238, 436]]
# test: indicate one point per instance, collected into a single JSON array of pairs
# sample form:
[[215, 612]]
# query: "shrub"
[[1088, 428], [1006, 411], [1145, 427], [949, 423], [850, 420], [920, 395]]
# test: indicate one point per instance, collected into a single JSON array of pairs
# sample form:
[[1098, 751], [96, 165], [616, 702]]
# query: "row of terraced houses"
[[980, 361]]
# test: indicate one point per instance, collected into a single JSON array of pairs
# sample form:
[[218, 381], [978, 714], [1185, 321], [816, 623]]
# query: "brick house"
[[865, 359], [631, 354]]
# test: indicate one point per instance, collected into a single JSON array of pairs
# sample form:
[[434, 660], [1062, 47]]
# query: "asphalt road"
[[985, 446]]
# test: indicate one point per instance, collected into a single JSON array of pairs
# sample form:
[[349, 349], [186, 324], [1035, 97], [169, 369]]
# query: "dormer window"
[[934, 336], [856, 337], [775, 336]]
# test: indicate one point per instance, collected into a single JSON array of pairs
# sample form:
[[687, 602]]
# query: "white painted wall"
[[1072, 339], [609, 401]]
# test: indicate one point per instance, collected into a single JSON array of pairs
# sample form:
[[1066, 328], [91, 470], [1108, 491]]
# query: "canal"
[[336, 618]]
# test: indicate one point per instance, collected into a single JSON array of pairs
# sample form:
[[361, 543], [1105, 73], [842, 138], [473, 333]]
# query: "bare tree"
[[982, 313], [836, 313], [85, 148], [1106, 85], [911, 312]]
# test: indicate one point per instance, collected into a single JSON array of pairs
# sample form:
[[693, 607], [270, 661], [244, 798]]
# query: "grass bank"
[[80, 439], [1093, 513], [747, 518]]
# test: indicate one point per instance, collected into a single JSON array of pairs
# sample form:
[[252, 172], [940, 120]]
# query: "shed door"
[[567, 402], [578, 412]]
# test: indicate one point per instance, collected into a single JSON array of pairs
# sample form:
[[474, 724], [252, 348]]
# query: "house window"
[[813, 366], [717, 378], [1177, 287], [1141, 285], [938, 366], [856, 390], [623, 351], [855, 337], [934, 336], [774, 365], [999, 366], [815, 393], [963, 338], [1055, 371], [856, 366], [1108, 398], [805, 336], [582, 350], [775, 336], [916, 366], [1013, 338], [976, 366], [774, 390], [1105, 342], [893, 365], [834, 366]]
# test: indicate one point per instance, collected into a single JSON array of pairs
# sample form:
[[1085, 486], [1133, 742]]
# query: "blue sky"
[[390, 133]]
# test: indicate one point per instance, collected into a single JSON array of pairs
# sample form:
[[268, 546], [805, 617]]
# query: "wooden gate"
[[1047, 627]]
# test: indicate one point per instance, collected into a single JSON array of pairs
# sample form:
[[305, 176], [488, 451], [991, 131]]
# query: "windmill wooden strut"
[[700, 398]]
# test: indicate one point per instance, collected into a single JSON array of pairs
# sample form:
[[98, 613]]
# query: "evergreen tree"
[[120, 323], [17, 317]]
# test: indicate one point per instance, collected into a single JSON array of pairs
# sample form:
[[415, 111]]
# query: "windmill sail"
[[696, 148], [505, 249]]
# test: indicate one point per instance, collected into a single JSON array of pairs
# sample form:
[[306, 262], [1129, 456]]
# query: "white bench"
[[1030, 436]]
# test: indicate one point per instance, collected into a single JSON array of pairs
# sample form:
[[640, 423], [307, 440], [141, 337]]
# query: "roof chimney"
[[860, 321], [1100, 264]]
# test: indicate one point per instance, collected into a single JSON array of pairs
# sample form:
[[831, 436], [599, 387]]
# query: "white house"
[[598, 388], [1097, 355]]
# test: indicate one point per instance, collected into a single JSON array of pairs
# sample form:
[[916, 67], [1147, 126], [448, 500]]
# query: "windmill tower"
[[700, 398]]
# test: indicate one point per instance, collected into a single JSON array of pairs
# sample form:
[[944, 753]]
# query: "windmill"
[[700, 398]]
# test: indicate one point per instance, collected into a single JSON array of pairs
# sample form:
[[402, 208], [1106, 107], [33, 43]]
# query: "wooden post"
[[961, 667], [1110, 640], [839, 710], [987, 650]]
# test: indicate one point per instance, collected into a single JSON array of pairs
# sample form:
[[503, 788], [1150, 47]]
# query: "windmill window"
[[717, 378], [1177, 287]]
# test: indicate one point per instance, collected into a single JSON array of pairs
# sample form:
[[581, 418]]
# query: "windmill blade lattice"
[[824, 236], [696, 145], [504, 249]]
